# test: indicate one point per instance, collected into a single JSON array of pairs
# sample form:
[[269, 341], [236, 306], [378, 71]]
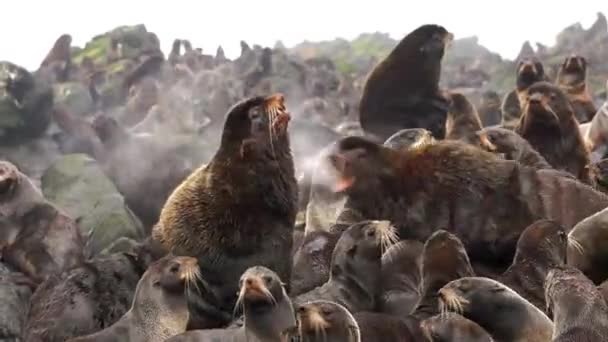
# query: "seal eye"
[[562, 235], [174, 268], [267, 279], [255, 114], [371, 233], [326, 311]]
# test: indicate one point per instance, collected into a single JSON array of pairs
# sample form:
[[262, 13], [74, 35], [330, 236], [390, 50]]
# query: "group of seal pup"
[[446, 231]]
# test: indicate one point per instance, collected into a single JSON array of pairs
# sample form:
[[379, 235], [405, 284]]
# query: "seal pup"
[[356, 267], [504, 314], [90, 297], [512, 147], [528, 71], [444, 259], [462, 120], [541, 247], [588, 250], [572, 80], [402, 91], [35, 237], [267, 311], [451, 326], [579, 310], [548, 123], [239, 210], [160, 308], [312, 261], [401, 277], [324, 321]]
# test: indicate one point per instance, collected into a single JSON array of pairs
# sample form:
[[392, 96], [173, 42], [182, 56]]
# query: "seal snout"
[[279, 116]]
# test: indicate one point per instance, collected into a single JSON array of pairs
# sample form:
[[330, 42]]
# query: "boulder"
[[15, 294], [77, 185], [75, 97]]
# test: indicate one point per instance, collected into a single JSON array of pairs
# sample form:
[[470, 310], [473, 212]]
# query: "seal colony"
[[414, 223]]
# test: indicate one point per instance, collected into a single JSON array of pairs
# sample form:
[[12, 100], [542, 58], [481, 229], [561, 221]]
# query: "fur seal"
[[596, 136], [312, 261], [541, 247], [572, 79], [489, 109], [401, 277], [402, 91], [239, 210], [378, 327], [528, 71], [484, 200], [324, 321], [548, 123], [35, 237], [579, 310], [15, 293], [267, 311], [444, 259], [504, 314], [588, 251], [462, 120], [356, 267], [453, 327], [409, 137], [512, 147], [160, 308]]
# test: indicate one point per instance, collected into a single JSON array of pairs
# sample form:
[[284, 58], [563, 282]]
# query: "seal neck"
[[268, 325]]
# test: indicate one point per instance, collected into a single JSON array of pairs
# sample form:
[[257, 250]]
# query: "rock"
[[25, 105], [75, 97], [77, 185], [32, 157], [15, 294]]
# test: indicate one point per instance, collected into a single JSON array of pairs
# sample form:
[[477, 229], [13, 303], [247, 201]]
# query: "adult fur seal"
[[444, 259], [463, 120], [486, 201], [35, 237], [159, 309], [239, 210], [504, 314], [266, 307], [324, 321], [88, 298], [402, 91], [356, 267], [572, 79], [548, 123], [579, 310], [541, 247], [529, 71], [512, 147], [401, 277], [451, 326]]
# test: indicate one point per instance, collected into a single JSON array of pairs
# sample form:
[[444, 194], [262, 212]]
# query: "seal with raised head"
[[529, 71], [324, 321], [453, 327], [548, 123], [401, 277], [403, 90], [88, 298], [239, 210], [160, 307], [579, 310], [35, 237], [444, 259], [541, 247], [512, 147], [356, 267], [572, 79], [266, 307], [504, 314], [463, 120]]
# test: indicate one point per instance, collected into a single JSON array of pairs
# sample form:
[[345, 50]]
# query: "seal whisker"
[[576, 245]]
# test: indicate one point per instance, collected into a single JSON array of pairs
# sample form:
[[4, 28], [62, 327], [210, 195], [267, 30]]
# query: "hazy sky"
[[28, 28]]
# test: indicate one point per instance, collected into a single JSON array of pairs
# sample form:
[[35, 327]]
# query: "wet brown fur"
[[572, 79], [463, 120]]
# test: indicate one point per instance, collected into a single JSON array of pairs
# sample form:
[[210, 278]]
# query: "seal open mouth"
[[573, 64], [279, 116], [345, 179]]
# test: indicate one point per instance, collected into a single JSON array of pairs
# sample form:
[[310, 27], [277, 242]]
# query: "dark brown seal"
[[312, 261], [579, 310], [60, 52], [88, 298], [463, 120], [378, 327], [35, 237], [266, 307], [529, 71], [444, 259], [453, 327], [356, 267], [572, 79], [489, 109], [239, 210], [160, 307], [541, 247], [402, 91], [504, 314], [401, 277], [512, 147], [324, 321], [548, 123]]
